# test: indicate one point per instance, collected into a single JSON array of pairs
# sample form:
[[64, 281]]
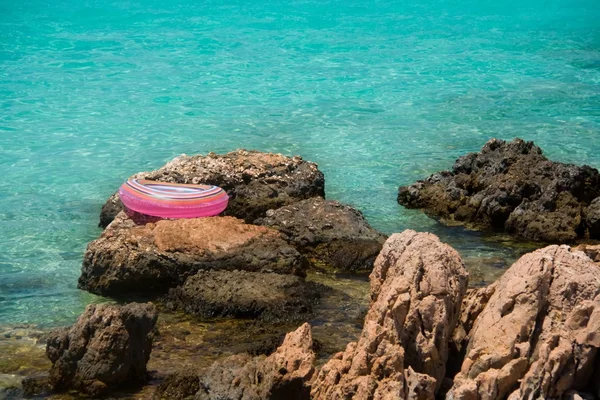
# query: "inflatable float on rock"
[[173, 200]]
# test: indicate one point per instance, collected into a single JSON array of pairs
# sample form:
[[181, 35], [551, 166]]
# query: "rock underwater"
[[254, 181], [513, 187]]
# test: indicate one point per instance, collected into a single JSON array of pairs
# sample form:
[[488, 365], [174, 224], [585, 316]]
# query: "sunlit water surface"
[[378, 93]]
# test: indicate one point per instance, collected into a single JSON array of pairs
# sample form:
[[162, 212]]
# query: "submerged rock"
[[282, 375], [36, 385], [107, 347], [151, 258], [254, 181], [417, 286], [328, 233], [512, 186], [178, 386], [538, 335], [242, 294]]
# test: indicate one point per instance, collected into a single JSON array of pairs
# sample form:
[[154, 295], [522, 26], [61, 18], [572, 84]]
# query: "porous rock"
[[512, 186], [281, 376], [417, 286], [329, 233], [254, 181], [242, 294], [36, 385], [107, 347], [592, 218], [181, 385], [537, 336], [130, 258]]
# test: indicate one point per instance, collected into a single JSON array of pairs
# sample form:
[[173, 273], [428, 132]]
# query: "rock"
[[178, 386], [573, 395], [254, 181], [590, 250], [512, 186], [281, 376], [537, 336], [328, 232], [417, 286], [110, 209], [9, 392], [472, 305], [151, 258], [108, 346], [242, 294], [592, 218], [36, 385]]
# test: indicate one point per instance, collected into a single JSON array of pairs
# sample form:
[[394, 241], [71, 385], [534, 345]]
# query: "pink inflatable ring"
[[173, 200]]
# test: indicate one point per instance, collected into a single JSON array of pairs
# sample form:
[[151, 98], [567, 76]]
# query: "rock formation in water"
[[109, 346], [417, 286], [281, 376], [243, 294], [512, 186], [329, 233], [255, 181], [539, 333], [151, 258]]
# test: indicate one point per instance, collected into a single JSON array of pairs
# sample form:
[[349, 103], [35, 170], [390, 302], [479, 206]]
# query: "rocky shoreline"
[[267, 267]]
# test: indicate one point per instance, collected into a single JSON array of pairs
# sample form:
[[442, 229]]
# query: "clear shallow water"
[[378, 93]]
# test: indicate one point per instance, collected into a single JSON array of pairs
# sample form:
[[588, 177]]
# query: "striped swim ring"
[[172, 200]]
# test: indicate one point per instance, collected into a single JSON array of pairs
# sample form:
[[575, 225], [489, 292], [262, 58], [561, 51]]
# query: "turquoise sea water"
[[379, 93]]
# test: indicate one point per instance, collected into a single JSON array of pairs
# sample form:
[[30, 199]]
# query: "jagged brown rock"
[[151, 258], [281, 376], [329, 233], [417, 286], [591, 250], [242, 294], [537, 336], [512, 186], [107, 347], [254, 181]]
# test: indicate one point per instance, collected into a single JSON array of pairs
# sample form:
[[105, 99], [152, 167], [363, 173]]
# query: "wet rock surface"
[[537, 336], [282, 375], [417, 286], [254, 181], [151, 258], [107, 347], [242, 294], [329, 233], [178, 386], [511, 186], [36, 385]]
